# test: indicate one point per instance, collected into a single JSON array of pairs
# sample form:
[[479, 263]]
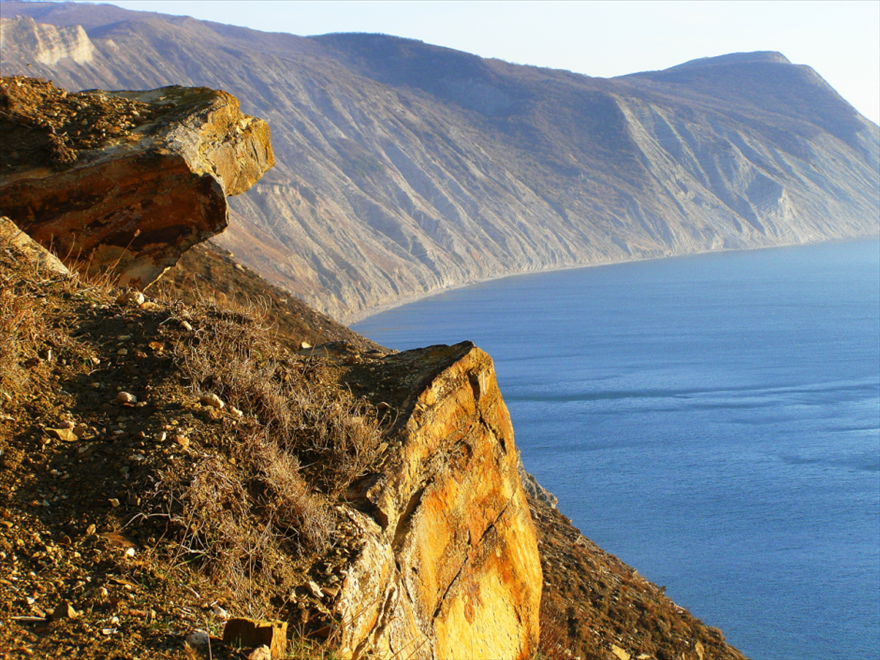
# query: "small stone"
[[81, 430], [182, 440], [315, 589], [186, 326], [198, 638], [91, 529], [125, 397], [67, 424], [65, 435], [113, 502], [64, 610], [619, 652], [131, 298], [122, 351], [250, 633], [235, 411], [305, 344], [220, 612], [212, 400], [261, 653], [160, 436], [129, 552]]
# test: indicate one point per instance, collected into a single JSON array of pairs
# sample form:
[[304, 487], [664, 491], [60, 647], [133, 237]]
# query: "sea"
[[712, 420]]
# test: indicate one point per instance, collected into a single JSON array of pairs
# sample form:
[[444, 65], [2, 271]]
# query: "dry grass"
[[247, 512], [31, 330], [20, 327], [293, 402]]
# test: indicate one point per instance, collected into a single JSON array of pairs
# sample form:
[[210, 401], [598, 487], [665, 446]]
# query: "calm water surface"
[[712, 420]]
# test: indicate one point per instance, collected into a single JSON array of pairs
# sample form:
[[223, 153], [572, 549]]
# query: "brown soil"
[[210, 273], [99, 520]]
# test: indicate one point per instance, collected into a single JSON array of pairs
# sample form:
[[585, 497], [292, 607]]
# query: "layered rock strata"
[[124, 180], [449, 566]]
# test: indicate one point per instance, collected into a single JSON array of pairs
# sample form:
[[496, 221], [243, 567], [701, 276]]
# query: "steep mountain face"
[[405, 168]]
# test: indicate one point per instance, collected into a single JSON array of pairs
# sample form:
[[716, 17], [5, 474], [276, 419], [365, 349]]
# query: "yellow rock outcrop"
[[450, 566]]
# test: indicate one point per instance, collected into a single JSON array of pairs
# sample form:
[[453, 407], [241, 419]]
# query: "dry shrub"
[[28, 326], [289, 502], [244, 521], [298, 407], [230, 530], [20, 326], [554, 643]]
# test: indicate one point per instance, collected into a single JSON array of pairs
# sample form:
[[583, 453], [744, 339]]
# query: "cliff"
[[172, 470], [405, 168], [454, 571], [440, 546]]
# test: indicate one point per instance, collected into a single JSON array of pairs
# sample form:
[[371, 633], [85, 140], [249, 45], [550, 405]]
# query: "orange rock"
[[133, 199], [450, 567]]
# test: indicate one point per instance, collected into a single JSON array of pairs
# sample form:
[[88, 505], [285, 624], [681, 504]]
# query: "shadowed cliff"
[[404, 168]]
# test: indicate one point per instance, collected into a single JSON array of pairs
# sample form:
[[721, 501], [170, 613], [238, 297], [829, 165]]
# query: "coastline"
[[354, 319]]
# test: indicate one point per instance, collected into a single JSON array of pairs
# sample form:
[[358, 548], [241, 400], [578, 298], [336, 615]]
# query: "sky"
[[840, 40]]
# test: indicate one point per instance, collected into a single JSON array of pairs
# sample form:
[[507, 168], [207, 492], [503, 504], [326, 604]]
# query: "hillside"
[[127, 525], [184, 474], [404, 168]]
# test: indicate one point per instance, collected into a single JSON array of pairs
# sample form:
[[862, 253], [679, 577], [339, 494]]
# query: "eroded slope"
[[405, 168]]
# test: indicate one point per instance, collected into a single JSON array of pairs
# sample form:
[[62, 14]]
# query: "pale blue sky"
[[841, 40]]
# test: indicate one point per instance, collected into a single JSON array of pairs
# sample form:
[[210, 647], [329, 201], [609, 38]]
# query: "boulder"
[[12, 235], [124, 181], [449, 565]]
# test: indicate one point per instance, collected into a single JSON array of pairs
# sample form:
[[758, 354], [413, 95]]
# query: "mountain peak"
[[758, 56]]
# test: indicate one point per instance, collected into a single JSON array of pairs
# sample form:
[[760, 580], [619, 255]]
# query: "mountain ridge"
[[406, 168]]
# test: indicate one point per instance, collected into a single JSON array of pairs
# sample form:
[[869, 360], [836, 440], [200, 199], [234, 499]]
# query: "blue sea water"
[[712, 420]]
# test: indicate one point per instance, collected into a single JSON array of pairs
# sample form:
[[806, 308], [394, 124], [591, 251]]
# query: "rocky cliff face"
[[125, 180], [188, 468], [450, 566], [444, 557], [45, 44], [406, 168]]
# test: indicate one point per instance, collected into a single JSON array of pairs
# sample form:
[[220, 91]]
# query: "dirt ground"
[[58, 125], [85, 515]]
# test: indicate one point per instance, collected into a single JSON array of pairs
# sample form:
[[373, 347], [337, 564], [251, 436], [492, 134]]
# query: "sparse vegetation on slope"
[[143, 509]]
